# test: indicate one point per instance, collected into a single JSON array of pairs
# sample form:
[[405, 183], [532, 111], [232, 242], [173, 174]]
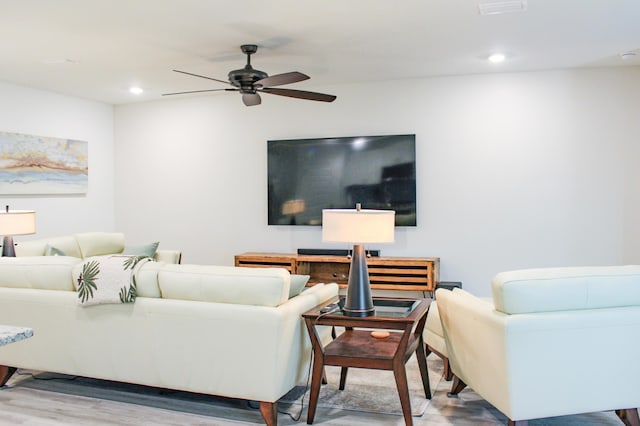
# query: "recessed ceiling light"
[[496, 58], [497, 7], [136, 90]]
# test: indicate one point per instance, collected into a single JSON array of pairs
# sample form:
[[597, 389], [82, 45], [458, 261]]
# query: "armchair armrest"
[[475, 337], [543, 364]]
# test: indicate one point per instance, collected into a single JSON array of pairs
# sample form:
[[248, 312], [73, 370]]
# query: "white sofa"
[[217, 330], [554, 342]]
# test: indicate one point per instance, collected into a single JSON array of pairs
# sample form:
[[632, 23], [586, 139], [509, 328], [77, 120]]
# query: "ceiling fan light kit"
[[250, 82]]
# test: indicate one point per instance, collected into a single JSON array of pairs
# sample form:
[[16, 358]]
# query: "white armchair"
[[554, 342], [433, 337]]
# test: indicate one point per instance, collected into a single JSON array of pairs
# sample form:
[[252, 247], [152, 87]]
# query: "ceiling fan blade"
[[300, 94], [198, 91], [280, 79], [202, 76], [251, 99]]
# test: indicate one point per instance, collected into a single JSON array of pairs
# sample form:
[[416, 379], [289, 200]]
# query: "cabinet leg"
[[343, 377]]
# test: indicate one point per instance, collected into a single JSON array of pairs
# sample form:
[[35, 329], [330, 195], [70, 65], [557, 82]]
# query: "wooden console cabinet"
[[385, 273]]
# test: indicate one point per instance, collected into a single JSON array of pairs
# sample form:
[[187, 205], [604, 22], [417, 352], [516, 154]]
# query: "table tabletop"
[[381, 318]]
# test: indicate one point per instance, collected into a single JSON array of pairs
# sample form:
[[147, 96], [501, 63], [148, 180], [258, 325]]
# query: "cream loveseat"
[[218, 330], [554, 342]]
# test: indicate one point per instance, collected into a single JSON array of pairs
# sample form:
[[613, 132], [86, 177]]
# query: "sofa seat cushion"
[[225, 284], [561, 289], [40, 272]]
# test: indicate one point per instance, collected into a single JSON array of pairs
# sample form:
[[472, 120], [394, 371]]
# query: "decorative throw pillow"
[[107, 279], [144, 250], [297, 284], [50, 250]]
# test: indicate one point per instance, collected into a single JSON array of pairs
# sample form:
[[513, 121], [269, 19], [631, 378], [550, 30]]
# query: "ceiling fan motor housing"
[[245, 78]]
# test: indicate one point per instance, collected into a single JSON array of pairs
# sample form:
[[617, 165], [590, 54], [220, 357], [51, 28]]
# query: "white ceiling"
[[97, 49]]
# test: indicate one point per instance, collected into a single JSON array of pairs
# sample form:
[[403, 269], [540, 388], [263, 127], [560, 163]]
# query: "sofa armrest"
[[168, 256]]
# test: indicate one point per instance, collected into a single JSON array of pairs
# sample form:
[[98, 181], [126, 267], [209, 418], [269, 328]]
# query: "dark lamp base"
[[7, 247], [357, 312], [359, 302]]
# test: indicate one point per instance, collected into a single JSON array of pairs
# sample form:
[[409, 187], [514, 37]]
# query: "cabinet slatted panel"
[[260, 261], [385, 273]]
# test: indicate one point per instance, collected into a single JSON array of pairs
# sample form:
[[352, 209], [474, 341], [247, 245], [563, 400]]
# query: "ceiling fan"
[[251, 82]]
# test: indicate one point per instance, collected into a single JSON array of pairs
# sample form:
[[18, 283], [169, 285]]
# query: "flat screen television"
[[308, 175]]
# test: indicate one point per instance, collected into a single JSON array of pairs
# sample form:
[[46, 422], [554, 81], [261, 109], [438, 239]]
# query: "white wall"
[[514, 170], [36, 112]]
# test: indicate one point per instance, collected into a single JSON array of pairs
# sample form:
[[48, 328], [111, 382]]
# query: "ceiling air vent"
[[501, 6]]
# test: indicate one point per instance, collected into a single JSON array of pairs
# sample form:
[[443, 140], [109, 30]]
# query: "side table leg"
[[316, 381], [317, 373], [400, 374], [424, 371]]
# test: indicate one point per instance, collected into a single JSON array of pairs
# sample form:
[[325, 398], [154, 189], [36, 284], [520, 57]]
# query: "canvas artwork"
[[42, 165]]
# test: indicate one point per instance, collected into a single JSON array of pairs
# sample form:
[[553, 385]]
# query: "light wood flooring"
[[27, 401]]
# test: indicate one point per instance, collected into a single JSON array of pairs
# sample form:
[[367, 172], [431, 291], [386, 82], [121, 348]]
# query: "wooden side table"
[[404, 318]]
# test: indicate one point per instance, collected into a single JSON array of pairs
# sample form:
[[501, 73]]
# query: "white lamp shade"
[[358, 226], [17, 222]]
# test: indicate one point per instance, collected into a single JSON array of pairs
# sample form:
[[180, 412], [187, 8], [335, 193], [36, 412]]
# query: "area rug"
[[367, 390]]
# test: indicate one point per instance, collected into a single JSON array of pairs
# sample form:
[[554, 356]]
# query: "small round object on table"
[[380, 334]]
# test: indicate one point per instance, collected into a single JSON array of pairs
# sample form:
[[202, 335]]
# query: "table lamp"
[[15, 222], [358, 227]]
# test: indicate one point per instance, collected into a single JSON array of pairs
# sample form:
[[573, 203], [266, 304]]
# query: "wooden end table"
[[403, 317]]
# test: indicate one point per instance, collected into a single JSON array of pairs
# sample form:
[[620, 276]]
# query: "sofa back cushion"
[[43, 272], [100, 243], [225, 284], [561, 289], [67, 245]]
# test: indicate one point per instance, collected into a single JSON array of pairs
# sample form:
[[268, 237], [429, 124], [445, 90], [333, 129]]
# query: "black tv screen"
[[308, 175]]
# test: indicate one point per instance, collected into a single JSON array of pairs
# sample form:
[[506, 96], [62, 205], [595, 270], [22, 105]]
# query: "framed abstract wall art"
[[42, 165]]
